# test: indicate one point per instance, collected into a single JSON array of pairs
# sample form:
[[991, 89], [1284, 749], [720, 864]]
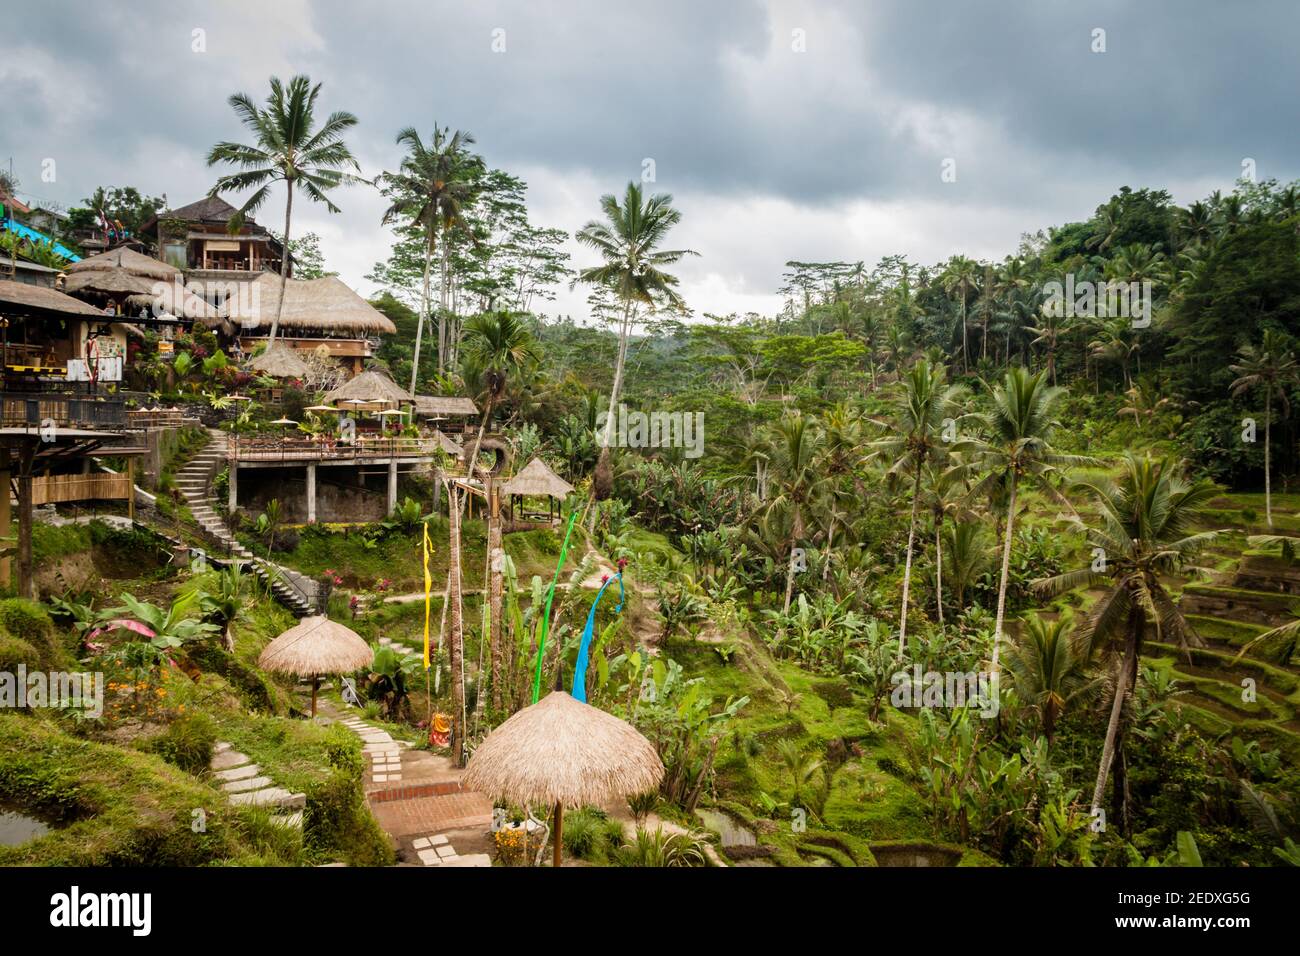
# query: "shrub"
[[590, 834], [336, 819], [187, 742], [660, 849], [15, 651]]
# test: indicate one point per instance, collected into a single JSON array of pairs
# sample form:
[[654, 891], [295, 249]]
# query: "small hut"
[[314, 647], [535, 480], [280, 361], [450, 413], [372, 387], [562, 753]]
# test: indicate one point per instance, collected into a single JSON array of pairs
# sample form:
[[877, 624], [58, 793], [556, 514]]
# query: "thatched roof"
[[125, 260], [536, 478], [191, 306], [207, 209], [280, 361], [21, 297], [447, 444], [369, 386], [561, 750], [315, 646], [324, 304], [427, 406]]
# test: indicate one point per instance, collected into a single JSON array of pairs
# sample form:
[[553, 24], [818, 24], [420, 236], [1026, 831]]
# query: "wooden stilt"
[[559, 834], [315, 683]]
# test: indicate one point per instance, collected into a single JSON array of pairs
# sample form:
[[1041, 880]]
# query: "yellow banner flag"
[[428, 591]]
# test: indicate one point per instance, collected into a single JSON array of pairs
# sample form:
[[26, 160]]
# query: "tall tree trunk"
[[1006, 570], [796, 531], [907, 567], [456, 649], [284, 265], [938, 568], [424, 308], [496, 586], [1126, 666], [1268, 481], [442, 309], [965, 340]]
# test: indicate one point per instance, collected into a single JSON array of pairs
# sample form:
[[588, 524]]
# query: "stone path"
[[245, 785], [417, 799]]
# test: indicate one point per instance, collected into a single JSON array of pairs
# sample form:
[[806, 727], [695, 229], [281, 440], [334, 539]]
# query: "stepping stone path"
[[384, 752], [436, 850], [241, 780]]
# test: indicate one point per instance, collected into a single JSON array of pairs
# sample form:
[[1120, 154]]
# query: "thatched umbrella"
[[314, 647], [371, 387], [561, 751], [119, 272]]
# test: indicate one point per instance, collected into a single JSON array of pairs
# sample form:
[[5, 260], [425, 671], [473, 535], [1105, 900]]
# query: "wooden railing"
[[57, 489], [244, 448], [33, 409], [156, 418]]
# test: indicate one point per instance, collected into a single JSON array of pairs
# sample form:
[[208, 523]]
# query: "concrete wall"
[[343, 494]]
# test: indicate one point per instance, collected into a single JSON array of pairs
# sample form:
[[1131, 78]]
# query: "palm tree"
[[943, 492], [793, 459], [289, 148], [926, 400], [961, 276], [967, 555], [1270, 366], [431, 189], [1047, 671], [1144, 530], [1018, 448], [1048, 334], [500, 344], [632, 269]]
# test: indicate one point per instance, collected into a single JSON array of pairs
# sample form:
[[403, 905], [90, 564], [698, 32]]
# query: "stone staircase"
[[299, 593], [244, 784]]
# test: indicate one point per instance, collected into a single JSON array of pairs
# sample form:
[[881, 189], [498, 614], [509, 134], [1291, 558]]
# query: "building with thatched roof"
[[316, 312], [445, 406], [534, 480]]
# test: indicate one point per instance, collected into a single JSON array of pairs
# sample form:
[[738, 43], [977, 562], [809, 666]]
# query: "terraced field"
[[1248, 592]]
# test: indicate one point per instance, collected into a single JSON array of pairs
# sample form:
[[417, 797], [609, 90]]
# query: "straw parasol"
[[280, 361], [316, 646], [563, 752]]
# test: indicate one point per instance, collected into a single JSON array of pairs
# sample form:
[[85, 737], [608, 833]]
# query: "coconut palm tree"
[[1270, 367], [431, 189], [1017, 448], [1144, 529], [628, 242], [915, 439], [793, 456], [943, 495], [288, 147], [962, 275], [1048, 333], [1047, 670], [500, 344], [967, 555]]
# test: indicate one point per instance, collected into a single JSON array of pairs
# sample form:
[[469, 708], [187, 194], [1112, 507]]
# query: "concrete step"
[[270, 797], [238, 773], [229, 759], [250, 783]]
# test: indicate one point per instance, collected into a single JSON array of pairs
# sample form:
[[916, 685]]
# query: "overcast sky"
[[809, 131]]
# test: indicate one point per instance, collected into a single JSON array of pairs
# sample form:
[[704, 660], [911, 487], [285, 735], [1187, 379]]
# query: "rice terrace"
[[602, 437]]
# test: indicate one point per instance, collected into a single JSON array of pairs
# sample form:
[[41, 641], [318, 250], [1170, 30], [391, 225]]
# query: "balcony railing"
[[241, 448], [35, 409], [50, 489]]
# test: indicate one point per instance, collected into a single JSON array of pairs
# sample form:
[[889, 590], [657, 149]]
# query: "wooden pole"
[[130, 488], [559, 833], [6, 568], [315, 682], [496, 587], [26, 584]]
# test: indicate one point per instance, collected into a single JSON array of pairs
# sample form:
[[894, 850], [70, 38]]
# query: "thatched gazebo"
[[118, 273], [371, 387], [314, 647], [280, 361], [536, 479], [563, 753]]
